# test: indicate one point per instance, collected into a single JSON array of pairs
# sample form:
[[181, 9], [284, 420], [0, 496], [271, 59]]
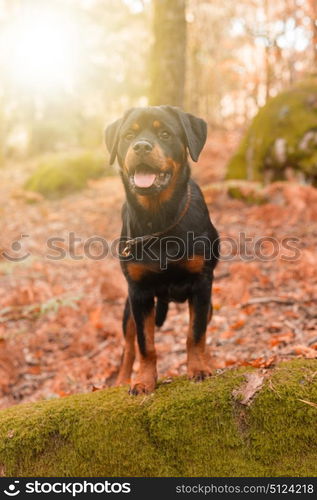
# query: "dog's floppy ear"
[[112, 136], [195, 130]]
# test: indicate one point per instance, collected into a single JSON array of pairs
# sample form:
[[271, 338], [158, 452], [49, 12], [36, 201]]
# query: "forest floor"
[[60, 319]]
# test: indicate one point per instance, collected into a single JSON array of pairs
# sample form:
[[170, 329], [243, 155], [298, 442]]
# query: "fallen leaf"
[[281, 338], [262, 362], [63, 394], [291, 314], [241, 341], [168, 380], [34, 370], [230, 361], [95, 318], [227, 334], [305, 351], [238, 324], [249, 310], [245, 394]]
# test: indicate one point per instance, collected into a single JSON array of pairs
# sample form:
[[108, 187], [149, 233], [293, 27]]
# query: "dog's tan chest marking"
[[193, 265], [137, 270]]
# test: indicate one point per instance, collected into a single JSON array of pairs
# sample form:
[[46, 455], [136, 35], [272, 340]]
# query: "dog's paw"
[[142, 388], [199, 375], [121, 381]]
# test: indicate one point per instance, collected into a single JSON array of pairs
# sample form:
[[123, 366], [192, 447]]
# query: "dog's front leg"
[[128, 357], [199, 315], [143, 311]]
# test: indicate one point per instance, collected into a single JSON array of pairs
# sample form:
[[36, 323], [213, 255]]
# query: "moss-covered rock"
[[283, 134], [60, 174], [249, 192], [183, 429]]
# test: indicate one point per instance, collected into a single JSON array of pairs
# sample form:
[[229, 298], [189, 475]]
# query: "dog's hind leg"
[[199, 312], [129, 331], [161, 311]]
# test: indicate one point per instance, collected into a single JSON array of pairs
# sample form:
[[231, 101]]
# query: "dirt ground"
[[60, 320]]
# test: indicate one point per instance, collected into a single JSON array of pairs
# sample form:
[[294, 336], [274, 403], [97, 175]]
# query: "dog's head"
[[151, 145]]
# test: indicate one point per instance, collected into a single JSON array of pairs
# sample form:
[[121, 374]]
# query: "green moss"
[[287, 118], [249, 192], [183, 429], [57, 175], [283, 429], [196, 428], [92, 434], [308, 165], [238, 165]]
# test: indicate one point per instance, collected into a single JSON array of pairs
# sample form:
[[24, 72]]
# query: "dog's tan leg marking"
[[128, 358], [197, 366], [147, 376]]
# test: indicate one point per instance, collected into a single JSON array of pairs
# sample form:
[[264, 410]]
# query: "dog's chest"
[[168, 271]]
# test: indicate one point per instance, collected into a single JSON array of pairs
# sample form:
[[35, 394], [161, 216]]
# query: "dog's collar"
[[131, 242]]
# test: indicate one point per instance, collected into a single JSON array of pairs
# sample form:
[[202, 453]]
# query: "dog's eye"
[[164, 134], [129, 136]]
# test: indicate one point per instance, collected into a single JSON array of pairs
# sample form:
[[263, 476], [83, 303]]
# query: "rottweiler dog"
[[169, 247]]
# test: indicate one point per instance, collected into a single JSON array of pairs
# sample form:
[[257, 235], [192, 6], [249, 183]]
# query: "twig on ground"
[[266, 300], [221, 276], [279, 300], [98, 349], [310, 403]]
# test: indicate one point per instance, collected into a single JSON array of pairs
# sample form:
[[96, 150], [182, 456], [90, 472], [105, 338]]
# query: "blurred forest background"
[[89, 60], [68, 68]]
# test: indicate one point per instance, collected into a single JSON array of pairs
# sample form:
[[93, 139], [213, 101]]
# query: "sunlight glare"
[[42, 50]]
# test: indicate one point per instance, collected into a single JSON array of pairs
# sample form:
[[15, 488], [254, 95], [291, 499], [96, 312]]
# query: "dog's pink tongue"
[[143, 180]]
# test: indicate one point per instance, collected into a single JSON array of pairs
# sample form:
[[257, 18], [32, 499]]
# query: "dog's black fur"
[[156, 140]]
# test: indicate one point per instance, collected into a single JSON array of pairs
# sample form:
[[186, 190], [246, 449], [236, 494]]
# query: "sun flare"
[[42, 50]]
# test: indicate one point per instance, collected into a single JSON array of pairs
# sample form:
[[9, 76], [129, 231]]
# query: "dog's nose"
[[142, 147]]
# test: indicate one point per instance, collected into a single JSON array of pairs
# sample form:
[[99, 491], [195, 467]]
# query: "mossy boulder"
[[251, 193], [246, 191], [183, 429], [60, 174], [282, 136]]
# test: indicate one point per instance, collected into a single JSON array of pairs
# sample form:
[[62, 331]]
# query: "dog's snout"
[[142, 147]]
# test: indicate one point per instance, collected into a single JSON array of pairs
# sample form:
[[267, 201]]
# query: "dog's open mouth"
[[145, 177]]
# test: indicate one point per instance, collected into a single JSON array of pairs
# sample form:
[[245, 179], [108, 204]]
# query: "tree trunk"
[[313, 19], [168, 54], [238, 423]]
